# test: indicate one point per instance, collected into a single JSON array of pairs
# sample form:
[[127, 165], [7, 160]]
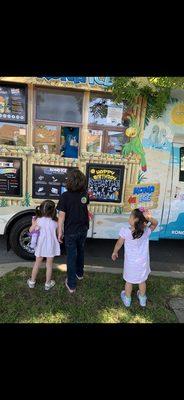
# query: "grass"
[[97, 300]]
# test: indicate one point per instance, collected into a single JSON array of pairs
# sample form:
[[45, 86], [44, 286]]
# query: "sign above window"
[[79, 82], [91, 81]]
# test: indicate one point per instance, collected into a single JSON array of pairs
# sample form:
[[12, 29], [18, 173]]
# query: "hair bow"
[[142, 209]]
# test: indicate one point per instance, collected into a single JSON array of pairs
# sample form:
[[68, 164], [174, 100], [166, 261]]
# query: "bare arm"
[[149, 218], [154, 223], [61, 221], [34, 226], [117, 247]]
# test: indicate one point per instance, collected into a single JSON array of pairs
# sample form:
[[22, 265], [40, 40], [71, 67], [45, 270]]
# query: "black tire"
[[18, 235]]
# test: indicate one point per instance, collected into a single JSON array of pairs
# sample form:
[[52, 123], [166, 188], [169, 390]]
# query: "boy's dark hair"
[[47, 209], [76, 181], [140, 224]]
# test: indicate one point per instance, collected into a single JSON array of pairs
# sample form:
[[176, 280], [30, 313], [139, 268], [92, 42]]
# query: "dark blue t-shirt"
[[74, 204]]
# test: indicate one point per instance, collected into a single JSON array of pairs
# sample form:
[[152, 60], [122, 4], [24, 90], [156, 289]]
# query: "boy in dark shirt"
[[74, 224]]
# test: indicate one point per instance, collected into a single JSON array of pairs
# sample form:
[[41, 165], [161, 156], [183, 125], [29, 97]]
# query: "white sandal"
[[49, 285], [31, 284]]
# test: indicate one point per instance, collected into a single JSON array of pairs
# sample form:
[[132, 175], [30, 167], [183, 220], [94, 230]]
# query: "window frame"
[[53, 122], [58, 124], [105, 129], [93, 125], [22, 126], [39, 122], [57, 135]]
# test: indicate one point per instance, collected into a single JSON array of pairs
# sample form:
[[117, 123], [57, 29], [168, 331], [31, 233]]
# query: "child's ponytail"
[[38, 212], [140, 223]]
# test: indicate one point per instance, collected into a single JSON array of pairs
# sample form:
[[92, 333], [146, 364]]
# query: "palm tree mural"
[[134, 146]]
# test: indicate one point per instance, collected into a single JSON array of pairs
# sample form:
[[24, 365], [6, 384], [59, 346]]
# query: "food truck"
[[49, 125]]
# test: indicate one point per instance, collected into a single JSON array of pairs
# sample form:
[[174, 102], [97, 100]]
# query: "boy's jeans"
[[74, 244]]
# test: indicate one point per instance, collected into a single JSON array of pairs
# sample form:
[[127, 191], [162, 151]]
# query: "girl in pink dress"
[[47, 245], [136, 261]]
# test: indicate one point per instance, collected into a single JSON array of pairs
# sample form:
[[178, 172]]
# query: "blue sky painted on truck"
[[159, 132]]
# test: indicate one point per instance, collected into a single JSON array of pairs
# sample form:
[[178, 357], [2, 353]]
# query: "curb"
[[5, 268]]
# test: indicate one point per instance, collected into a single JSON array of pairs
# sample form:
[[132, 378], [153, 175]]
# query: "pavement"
[[165, 255], [4, 268], [177, 304]]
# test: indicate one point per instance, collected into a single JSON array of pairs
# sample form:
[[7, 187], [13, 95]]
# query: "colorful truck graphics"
[[149, 172]]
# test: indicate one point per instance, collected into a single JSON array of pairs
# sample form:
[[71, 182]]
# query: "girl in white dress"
[[136, 261], [47, 245]]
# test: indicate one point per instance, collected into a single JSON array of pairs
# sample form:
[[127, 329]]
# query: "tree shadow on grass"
[[97, 300]]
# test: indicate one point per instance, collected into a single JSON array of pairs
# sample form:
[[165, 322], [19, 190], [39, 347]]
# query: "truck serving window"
[[107, 124], [59, 105], [181, 178]]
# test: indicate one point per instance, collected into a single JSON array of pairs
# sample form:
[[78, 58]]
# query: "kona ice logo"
[[103, 81], [50, 171], [144, 193], [141, 194], [92, 81]]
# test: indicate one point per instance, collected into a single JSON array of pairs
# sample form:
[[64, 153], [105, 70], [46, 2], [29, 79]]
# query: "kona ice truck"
[[50, 125]]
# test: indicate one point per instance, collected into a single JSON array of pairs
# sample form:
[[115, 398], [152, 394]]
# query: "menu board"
[[13, 103], [105, 183], [49, 182], [10, 177]]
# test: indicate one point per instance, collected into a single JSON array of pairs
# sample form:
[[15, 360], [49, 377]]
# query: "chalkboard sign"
[[105, 182], [13, 103], [10, 177], [49, 181]]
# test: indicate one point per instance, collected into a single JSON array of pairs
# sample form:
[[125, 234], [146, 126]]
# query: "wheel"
[[20, 240]]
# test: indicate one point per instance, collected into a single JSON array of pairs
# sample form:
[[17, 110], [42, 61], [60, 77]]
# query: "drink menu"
[[10, 177]]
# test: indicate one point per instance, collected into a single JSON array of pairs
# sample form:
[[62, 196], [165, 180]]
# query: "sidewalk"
[[5, 268]]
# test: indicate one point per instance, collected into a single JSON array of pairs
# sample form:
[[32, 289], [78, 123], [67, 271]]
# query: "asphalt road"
[[166, 255]]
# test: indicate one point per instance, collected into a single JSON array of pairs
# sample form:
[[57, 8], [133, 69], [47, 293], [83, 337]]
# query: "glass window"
[[52, 139], [47, 138], [11, 134], [106, 141], [69, 142], [104, 112], [94, 142], [181, 178], [59, 105], [114, 142]]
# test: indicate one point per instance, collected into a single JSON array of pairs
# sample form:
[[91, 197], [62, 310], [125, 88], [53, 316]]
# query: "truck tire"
[[19, 239]]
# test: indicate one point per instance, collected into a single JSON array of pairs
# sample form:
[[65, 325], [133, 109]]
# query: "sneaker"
[[142, 299], [126, 300], [70, 290], [31, 283], [80, 278], [49, 285]]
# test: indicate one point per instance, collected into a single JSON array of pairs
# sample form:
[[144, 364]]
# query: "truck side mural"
[[128, 164]]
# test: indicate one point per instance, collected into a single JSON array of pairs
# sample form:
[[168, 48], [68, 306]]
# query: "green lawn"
[[97, 299]]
